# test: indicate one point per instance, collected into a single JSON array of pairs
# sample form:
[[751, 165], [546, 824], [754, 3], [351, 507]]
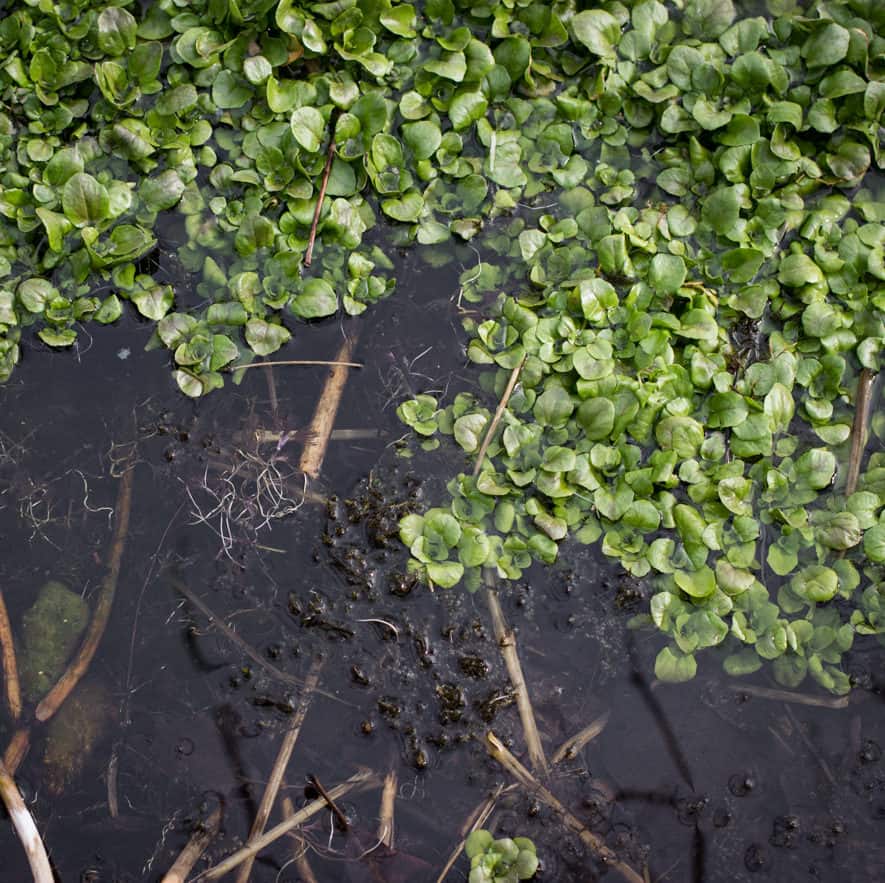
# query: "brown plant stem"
[[323, 420], [862, 402], [25, 829], [499, 413], [593, 842], [358, 781], [17, 749], [308, 255], [10, 668], [279, 768], [330, 802], [195, 847], [78, 666], [506, 639]]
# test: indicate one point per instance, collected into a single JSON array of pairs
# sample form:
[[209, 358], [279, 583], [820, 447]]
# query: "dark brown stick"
[[862, 401], [342, 819], [53, 700], [308, 255], [10, 668]]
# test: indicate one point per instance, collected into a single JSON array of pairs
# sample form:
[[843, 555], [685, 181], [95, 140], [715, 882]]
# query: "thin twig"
[[53, 700], [596, 844], [385, 815], [499, 413], [247, 648], [330, 800], [25, 829], [862, 401], [573, 745], [195, 847], [279, 768], [835, 702], [323, 420], [331, 363], [361, 780], [507, 642], [308, 255], [10, 668]]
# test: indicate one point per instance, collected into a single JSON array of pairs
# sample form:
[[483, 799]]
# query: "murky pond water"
[[706, 781]]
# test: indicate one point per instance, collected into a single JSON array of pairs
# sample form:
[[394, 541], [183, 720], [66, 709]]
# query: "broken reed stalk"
[[499, 413], [308, 255], [248, 649], [359, 781], [835, 702], [10, 669], [279, 768], [323, 420], [330, 363], [299, 857], [862, 402], [593, 842], [25, 828], [385, 814], [53, 700], [506, 639], [573, 745], [195, 847], [475, 820]]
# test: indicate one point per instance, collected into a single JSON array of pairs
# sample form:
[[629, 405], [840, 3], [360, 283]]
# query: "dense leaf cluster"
[[680, 238]]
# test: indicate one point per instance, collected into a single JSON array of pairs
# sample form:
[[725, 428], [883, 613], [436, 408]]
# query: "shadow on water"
[[706, 782]]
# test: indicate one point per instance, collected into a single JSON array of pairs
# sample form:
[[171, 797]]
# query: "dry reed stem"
[[862, 401], [385, 815], [299, 857], [331, 363], [308, 254], [78, 666], [573, 745], [835, 702], [593, 842], [279, 768], [10, 669], [25, 828], [247, 648], [507, 642], [194, 848], [358, 781], [323, 421], [499, 413]]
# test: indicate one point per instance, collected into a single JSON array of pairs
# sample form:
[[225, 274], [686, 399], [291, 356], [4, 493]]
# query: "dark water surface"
[[704, 781]]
